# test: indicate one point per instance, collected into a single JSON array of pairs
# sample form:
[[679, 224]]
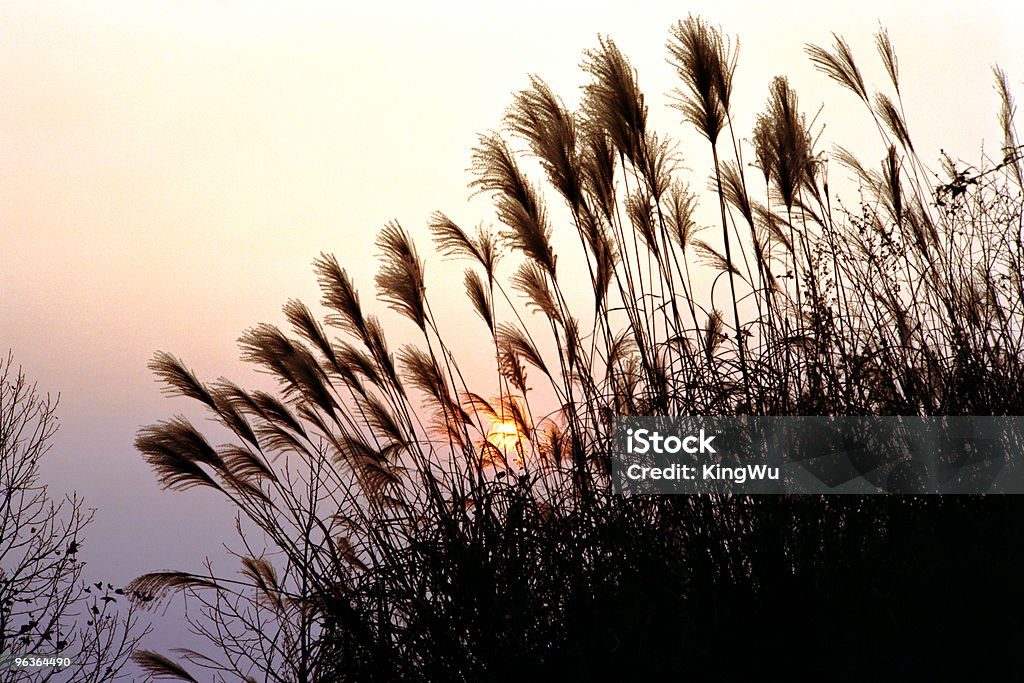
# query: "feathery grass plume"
[[480, 405], [625, 387], [309, 328], [604, 267], [511, 339], [597, 160], [532, 281], [230, 407], [511, 369], [783, 143], [706, 63], [400, 278], [847, 158], [275, 437], [491, 251], [242, 403], [340, 295], [314, 416], [622, 348], [660, 161], [350, 447], [227, 391], [492, 457], [381, 421], [178, 380], [924, 231], [264, 577], [290, 362], [894, 194], [840, 67], [681, 204], [761, 243], [641, 217], [540, 117], [572, 343], [893, 121], [1012, 152], [377, 345], [175, 450], [275, 411], [612, 101], [376, 475], [552, 444], [594, 230], [888, 55], [349, 553], [244, 465], [716, 260], [160, 667], [764, 151], [714, 332], [517, 202], [450, 424], [155, 586], [772, 225], [501, 410], [347, 373], [512, 411], [479, 297], [422, 372], [452, 240], [356, 363], [735, 192]]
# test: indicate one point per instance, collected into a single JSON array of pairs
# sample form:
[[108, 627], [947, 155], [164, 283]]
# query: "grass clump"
[[426, 525]]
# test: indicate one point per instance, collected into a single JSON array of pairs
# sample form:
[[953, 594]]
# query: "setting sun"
[[505, 435], [454, 342]]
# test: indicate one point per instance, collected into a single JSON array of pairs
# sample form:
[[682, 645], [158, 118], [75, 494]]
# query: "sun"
[[505, 435]]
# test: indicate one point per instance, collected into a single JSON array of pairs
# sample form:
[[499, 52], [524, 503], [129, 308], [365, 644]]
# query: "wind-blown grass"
[[420, 531]]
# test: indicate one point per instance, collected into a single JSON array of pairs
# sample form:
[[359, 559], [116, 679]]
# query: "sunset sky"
[[169, 170]]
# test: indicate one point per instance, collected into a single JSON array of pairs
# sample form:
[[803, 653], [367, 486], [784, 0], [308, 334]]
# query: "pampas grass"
[[406, 542]]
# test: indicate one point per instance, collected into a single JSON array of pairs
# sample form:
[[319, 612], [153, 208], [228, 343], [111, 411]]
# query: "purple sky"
[[170, 169]]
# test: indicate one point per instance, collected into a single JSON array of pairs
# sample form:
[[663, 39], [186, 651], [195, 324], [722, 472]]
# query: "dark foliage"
[[419, 528]]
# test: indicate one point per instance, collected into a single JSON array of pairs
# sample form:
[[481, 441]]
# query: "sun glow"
[[505, 435]]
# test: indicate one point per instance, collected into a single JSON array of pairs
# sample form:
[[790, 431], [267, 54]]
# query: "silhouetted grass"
[[426, 525]]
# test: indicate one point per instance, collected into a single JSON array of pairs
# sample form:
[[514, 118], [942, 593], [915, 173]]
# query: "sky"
[[169, 170]]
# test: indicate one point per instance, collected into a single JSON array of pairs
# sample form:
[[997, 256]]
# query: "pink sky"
[[170, 169]]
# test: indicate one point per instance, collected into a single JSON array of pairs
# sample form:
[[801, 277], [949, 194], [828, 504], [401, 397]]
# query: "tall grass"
[[423, 524]]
